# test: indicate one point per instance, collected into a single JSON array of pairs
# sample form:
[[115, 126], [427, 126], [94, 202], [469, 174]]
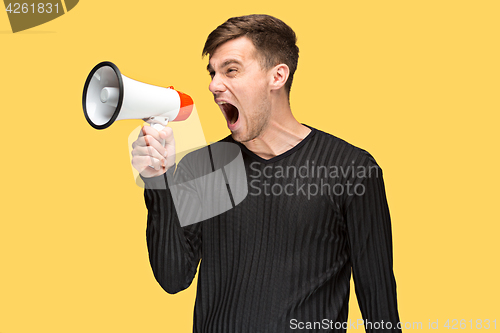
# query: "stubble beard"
[[256, 124]]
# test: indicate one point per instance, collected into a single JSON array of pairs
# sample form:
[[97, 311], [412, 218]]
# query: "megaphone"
[[108, 96]]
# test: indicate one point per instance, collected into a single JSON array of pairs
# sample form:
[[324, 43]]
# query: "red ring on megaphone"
[[186, 107]]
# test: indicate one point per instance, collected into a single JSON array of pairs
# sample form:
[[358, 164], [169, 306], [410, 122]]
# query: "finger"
[[168, 135], [147, 130], [143, 162], [155, 144], [150, 141], [147, 151], [140, 142], [151, 131]]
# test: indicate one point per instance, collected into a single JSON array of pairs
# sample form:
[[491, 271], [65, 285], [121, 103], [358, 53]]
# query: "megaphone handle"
[[159, 127]]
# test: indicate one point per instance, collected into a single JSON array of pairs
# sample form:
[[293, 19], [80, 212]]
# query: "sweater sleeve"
[[174, 251], [370, 238]]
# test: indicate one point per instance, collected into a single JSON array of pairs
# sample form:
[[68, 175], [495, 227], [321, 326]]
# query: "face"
[[241, 88]]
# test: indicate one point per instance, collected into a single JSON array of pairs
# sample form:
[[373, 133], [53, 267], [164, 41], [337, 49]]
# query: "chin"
[[237, 137], [246, 136], [240, 137]]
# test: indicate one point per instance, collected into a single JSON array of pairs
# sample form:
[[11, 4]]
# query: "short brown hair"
[[273, 39]]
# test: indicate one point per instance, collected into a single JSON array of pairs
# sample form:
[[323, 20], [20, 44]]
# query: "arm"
[[369, 227], [174, 251]]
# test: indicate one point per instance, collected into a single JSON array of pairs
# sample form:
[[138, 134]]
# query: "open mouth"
[[230, 111]]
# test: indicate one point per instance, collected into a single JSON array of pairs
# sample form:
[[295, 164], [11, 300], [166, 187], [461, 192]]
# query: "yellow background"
[[416, 83]]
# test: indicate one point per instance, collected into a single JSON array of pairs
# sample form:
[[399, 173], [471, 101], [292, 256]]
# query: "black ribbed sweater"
[[281, 260]]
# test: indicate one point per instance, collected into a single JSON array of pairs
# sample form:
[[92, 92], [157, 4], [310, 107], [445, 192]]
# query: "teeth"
[[220, 103]]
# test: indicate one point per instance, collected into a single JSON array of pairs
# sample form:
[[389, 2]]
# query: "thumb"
[[164, 133]]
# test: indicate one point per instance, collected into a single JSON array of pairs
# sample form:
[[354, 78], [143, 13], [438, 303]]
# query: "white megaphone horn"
[[108, 96]]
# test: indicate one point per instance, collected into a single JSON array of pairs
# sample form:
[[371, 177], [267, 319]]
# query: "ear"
[[279, 75]]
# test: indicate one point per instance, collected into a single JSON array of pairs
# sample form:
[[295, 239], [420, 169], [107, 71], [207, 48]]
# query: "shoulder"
[[339, 151], [353, 170]]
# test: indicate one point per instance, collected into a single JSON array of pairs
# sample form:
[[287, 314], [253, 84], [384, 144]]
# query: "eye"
[[212, 74], [232, 71]]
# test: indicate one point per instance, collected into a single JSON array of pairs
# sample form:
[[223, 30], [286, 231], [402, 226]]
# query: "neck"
[[281, 133]]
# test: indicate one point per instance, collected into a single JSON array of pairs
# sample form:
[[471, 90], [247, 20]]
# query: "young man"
[[281, 260]]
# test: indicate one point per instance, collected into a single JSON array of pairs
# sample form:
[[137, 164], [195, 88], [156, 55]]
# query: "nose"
[[216, 85]]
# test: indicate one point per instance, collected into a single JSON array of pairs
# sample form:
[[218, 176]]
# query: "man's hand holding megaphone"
[[149, 156]]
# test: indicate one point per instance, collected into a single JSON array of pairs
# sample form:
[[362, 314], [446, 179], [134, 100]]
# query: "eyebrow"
[[224, 64]]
